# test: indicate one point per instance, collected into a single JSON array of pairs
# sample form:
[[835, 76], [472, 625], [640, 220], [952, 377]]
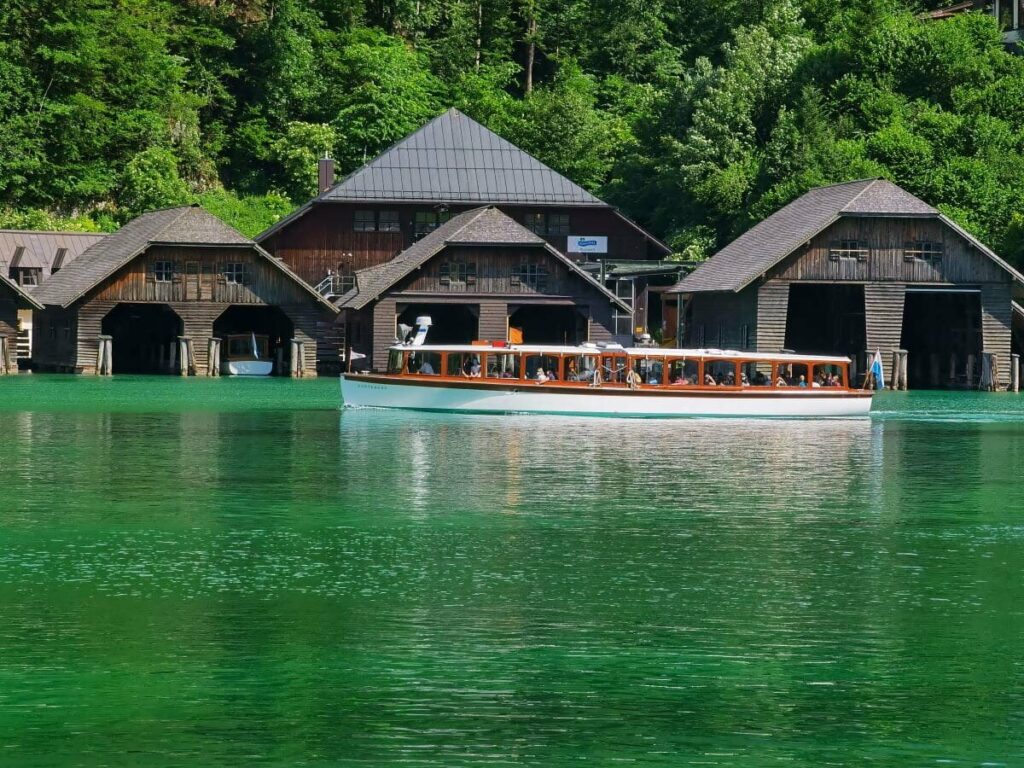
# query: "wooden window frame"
[[236, 273], [849, 249], [163, 271], [930, 251], [457, 273], [364, 220]]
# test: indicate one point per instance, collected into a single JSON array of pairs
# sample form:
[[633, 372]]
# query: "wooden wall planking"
[[772, 313], [883, 316], [493, 322], [885, 236], [996, 325], [325, 238]]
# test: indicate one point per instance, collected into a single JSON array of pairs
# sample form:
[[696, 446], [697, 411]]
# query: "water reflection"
[[397, 588]]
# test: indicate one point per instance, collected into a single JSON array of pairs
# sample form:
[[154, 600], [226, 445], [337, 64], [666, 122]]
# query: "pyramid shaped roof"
[[454, 159]]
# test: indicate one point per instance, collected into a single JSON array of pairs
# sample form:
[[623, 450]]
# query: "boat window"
[[792, 375], [613, 369], [682, 372], [756, 374], [720, 373], [425, 363], [463, 364], [580, 367], [651, 370], [239, 346], [547, 363], [395, 361], [503, 365], [829, 375]]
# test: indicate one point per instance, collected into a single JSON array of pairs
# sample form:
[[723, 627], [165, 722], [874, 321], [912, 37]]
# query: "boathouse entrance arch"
[[942, 333], [262, 320], [549, 323], [143, 337], [450, 323]]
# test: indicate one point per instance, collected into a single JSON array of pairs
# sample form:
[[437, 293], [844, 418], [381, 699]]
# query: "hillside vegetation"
[[696, 118]]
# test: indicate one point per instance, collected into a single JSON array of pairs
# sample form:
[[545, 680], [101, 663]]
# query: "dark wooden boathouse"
[[450, 166], [163, 289], [13, 299], [478, 275], [853, 268]]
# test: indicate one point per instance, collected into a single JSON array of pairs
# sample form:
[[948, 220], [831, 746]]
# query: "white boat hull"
[[385, 392], [250, 367]]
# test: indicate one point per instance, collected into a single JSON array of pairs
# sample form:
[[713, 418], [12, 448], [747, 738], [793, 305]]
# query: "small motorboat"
[[248, 355]]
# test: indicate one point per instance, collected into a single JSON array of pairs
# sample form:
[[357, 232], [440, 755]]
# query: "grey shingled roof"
[[19, 292], [770, 241], [455, 159], [187, 225], [480, 226], [40, 248]]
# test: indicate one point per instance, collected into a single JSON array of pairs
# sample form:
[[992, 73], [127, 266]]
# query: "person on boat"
[[541, 377], [474, 368], [803, 381], [730, 379], [744, 381], [781, 381], [552, 375], [570, 371], [709, 380], [426, 368]]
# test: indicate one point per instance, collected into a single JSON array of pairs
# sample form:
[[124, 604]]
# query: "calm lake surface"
[[232, 572]]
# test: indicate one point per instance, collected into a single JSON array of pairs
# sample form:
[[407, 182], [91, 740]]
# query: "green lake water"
[[237, 573]]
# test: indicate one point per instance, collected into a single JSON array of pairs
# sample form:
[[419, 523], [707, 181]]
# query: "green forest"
[[697, 119]]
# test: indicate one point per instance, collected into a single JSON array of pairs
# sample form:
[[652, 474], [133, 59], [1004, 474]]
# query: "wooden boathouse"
[[158, 295], [477, 276], [853, 268], [13, 300], [451, 165]]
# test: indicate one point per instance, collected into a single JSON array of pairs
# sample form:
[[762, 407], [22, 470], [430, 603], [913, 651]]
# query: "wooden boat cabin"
[[619, 367]]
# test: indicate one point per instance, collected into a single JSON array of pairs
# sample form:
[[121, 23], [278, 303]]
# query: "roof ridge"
[[856, 197], [477, 213], [52, 232], [870, 179]]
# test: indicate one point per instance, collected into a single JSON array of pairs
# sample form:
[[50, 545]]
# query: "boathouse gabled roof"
[[770, 241], [20, 292], [481, 226], [189, 226]]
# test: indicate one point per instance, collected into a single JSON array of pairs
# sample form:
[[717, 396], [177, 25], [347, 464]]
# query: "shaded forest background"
[[696, 118]]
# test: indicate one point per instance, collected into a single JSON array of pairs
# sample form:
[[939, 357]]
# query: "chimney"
[[325, 174]]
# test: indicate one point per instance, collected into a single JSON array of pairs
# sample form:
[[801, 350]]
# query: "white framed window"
[[235, 273], [163, 271]]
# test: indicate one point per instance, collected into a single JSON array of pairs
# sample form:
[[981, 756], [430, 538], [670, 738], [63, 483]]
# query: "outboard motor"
[[423, 324]]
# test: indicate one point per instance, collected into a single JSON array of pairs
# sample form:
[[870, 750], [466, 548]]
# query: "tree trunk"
[[479, 32], [531, 49]]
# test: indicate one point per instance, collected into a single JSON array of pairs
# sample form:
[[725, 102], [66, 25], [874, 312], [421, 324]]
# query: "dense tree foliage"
[[696, 118]]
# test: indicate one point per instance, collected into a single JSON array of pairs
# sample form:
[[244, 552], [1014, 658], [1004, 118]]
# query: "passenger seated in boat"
[[781, 381], [552, 375], [743, 379], [426, 369], [709, 380], [474, 368], [541, 376], [730, 379], [803, 381]]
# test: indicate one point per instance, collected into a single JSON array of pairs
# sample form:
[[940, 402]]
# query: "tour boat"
[[607, 380], [248, 355]]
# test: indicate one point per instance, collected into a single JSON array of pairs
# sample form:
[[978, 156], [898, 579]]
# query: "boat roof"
[[551, 349]]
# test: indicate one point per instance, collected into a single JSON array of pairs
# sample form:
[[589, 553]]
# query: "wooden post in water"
[[903, 369], [970, 371], [105, 356], [172, 356], [894, 379], [293, 363], [186, 356], [1015, 373], [989, 371], [4, 344], [213, 357], [298, 359], [952, 368]]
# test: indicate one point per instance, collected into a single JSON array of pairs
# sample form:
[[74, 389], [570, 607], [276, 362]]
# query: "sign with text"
[[587, 244]]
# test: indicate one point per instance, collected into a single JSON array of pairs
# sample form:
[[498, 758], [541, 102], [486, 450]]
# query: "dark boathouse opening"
[[826, 319], [549, 324], [942, 336], [143, 336], [271, 322], [450, 323]]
